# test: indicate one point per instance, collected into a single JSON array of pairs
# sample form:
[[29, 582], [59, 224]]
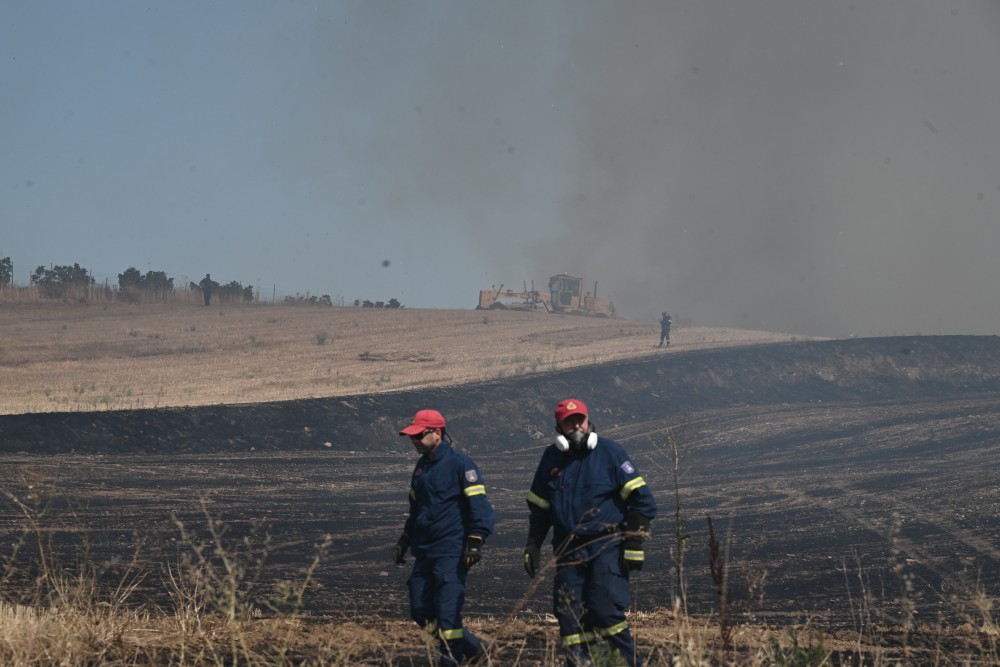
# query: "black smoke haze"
[[823, 167]]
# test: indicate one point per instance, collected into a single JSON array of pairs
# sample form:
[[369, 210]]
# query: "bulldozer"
[[565, 296]]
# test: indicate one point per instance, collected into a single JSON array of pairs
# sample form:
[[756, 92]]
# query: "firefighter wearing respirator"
[[589, 492]]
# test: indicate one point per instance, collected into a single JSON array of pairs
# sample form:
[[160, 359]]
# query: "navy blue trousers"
[[590, 600], [437, 593]]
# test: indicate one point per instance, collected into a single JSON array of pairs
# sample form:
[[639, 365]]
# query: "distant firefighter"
[[665, 323], [206, 285]]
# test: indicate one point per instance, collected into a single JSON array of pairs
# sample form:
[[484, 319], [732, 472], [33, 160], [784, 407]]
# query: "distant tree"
[[41, 276], [62, 275], [309, 300], [391, 303], [130, 278], [6, 271], [230, 292], [248, 294], [55, 282], [132, 284], [157, 281]]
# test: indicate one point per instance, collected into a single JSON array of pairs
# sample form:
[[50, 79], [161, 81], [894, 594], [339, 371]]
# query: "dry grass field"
[[79, 357]]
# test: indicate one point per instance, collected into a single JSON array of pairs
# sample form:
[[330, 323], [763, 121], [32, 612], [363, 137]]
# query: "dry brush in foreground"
[[214, 609]]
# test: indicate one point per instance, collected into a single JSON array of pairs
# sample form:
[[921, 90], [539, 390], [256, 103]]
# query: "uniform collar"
[[439, 451]]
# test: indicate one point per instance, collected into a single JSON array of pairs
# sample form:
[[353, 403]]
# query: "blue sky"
[[823, 167]]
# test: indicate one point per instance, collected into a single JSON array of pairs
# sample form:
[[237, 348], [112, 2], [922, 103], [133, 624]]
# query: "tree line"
[[63, 281]]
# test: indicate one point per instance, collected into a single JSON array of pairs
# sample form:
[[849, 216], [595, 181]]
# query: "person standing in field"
[[206, 285], [665, 322], [588, 490], [449, 520]]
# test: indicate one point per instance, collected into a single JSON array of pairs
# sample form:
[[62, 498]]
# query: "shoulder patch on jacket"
[[470, 476], [628, 467]]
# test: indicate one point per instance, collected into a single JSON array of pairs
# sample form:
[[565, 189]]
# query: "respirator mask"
[[577, 441]]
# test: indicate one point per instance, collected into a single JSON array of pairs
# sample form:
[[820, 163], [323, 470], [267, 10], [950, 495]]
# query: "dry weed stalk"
[[719, 564], [217, 574], [904, 578], [860, 611], [681, 538]]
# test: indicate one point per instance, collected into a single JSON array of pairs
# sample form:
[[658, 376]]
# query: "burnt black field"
[[833, 470]]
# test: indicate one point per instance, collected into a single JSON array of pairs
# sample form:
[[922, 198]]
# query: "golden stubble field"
[[87, 357]]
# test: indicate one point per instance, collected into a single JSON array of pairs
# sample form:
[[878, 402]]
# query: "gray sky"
[[811, 166]]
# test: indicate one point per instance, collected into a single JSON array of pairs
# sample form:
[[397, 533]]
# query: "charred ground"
[[837, 469]]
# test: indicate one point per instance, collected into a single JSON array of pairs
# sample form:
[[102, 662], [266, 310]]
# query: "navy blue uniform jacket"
[[447, 503], [587, 494]]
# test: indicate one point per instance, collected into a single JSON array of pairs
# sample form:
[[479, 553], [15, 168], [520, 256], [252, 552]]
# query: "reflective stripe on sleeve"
[[631, 486], [629, 554], [413, 495], [538, 500], [477, 490]]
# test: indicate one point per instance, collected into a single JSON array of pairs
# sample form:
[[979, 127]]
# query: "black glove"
[[532, 558], [537, 530], [473, 550], [399, 551], [636, 529]]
